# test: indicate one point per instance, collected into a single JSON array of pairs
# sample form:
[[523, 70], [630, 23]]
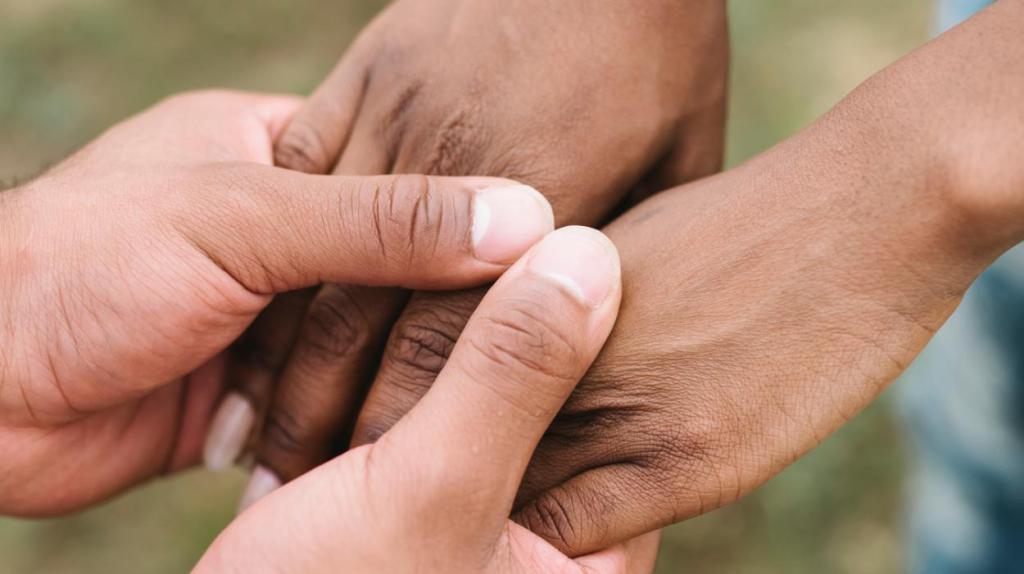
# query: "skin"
[[129, 269], [533, 90], [880, 215], [434, 494], [765, 306]]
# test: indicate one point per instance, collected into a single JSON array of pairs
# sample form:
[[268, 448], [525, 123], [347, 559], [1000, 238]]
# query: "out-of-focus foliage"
[[70, 68]]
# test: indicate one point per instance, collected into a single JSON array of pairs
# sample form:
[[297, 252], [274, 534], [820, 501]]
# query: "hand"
[[765, 306], [126, 271], [582, 100], [435, 492]]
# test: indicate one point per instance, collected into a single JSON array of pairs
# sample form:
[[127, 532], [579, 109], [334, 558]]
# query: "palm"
[[122, 370]]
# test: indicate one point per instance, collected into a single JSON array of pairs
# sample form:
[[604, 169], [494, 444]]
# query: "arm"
[[434, 494], [127, 270], [765, 306], [582, 100]]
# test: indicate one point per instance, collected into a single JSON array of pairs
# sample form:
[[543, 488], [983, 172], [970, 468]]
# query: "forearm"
[[882, 213], [838, 253], [926, 153], [949, 118], [765, 306]]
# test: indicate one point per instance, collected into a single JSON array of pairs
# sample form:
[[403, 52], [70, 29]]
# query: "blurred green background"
[[70, 68]]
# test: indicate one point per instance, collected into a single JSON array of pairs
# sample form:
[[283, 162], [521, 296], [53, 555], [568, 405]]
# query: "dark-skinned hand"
[[764, 307], [587, 102]]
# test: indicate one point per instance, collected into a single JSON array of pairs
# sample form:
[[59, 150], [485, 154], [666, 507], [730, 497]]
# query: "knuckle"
[[394, 394], [573, 424], [524, 340], [554, 517], [254, 354], [689, 464], [206, 220], [453, 151], [283, 433], [424, 340], [335, 326], [412, 219], [302, 148], [409, 218], [383, 217], [398, 110], [615, 396], [418, 349], [678, 453], [371, 428]]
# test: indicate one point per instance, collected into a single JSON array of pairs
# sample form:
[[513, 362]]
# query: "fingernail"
[[262, 483], [580, 259], [507, 221], [229, 432]]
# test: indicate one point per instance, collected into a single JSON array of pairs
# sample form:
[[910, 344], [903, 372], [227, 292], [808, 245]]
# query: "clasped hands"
[[167, 265]]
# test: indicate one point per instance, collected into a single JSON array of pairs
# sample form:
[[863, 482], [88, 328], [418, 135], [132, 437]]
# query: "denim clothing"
[[963, 401]]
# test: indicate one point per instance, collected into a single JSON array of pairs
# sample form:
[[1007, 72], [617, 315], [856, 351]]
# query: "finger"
[[700, 148], [255, 368], [313, 139], [533, 337], [317, 134], [336, 350], [367, 152], [598, 508], [332, 358], [258, 356], [253, 363], [636, 556], [273, 230], [417, 349], [203, 388], [699, 152]]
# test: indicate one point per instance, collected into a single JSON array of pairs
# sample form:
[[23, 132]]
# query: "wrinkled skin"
[[128, 269], [434, 494], [587, 102], [766, 306]]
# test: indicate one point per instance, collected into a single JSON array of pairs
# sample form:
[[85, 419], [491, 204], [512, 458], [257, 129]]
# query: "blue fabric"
[[952, 12], [964, 401], [964, 405]]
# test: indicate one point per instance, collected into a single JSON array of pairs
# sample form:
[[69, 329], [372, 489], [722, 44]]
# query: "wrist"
[[955, 105], [865, 183], [884, 159]]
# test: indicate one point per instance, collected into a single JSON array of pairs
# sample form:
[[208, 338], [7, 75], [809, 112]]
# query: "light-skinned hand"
[[128, 270], [435, 492]]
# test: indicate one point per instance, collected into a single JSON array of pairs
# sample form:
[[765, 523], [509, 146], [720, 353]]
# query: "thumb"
[[275, 230], [445, 476], [522, 353]]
